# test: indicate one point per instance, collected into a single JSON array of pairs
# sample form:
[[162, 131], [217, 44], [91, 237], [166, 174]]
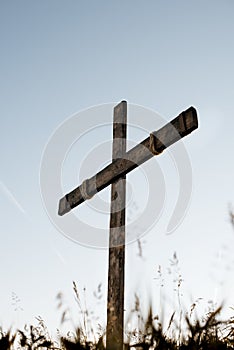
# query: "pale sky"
[[58, 58]]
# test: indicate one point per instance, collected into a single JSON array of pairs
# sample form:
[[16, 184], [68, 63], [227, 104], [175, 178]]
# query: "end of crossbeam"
[[64, 206], [181, 126], [190, 120]]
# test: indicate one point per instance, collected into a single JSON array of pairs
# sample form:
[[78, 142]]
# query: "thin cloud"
[[59, 255], [11, 197]]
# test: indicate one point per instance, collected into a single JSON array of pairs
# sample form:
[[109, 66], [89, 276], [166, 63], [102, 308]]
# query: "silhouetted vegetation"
[[208, 332], [186, 331]]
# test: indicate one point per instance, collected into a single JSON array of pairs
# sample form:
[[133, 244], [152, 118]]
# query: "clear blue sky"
[[58, 58]]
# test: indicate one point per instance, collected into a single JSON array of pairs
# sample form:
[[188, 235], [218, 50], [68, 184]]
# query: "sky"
[[57, 60]]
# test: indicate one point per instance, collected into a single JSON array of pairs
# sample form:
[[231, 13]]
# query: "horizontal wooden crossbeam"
[[155, 144]]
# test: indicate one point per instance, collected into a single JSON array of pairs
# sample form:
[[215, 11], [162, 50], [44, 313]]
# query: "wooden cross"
[[115, 174]]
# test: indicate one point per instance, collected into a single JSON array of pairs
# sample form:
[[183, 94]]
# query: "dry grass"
[[207, 333]]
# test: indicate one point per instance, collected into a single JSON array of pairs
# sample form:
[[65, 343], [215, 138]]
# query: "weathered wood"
[[115, 173], [115, 300], [159, 140]]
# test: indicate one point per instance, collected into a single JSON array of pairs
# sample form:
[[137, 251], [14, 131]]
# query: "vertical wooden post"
[[115, 299]]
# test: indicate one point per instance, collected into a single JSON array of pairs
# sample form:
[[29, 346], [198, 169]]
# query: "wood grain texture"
[[115, 299], [155, 144]]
